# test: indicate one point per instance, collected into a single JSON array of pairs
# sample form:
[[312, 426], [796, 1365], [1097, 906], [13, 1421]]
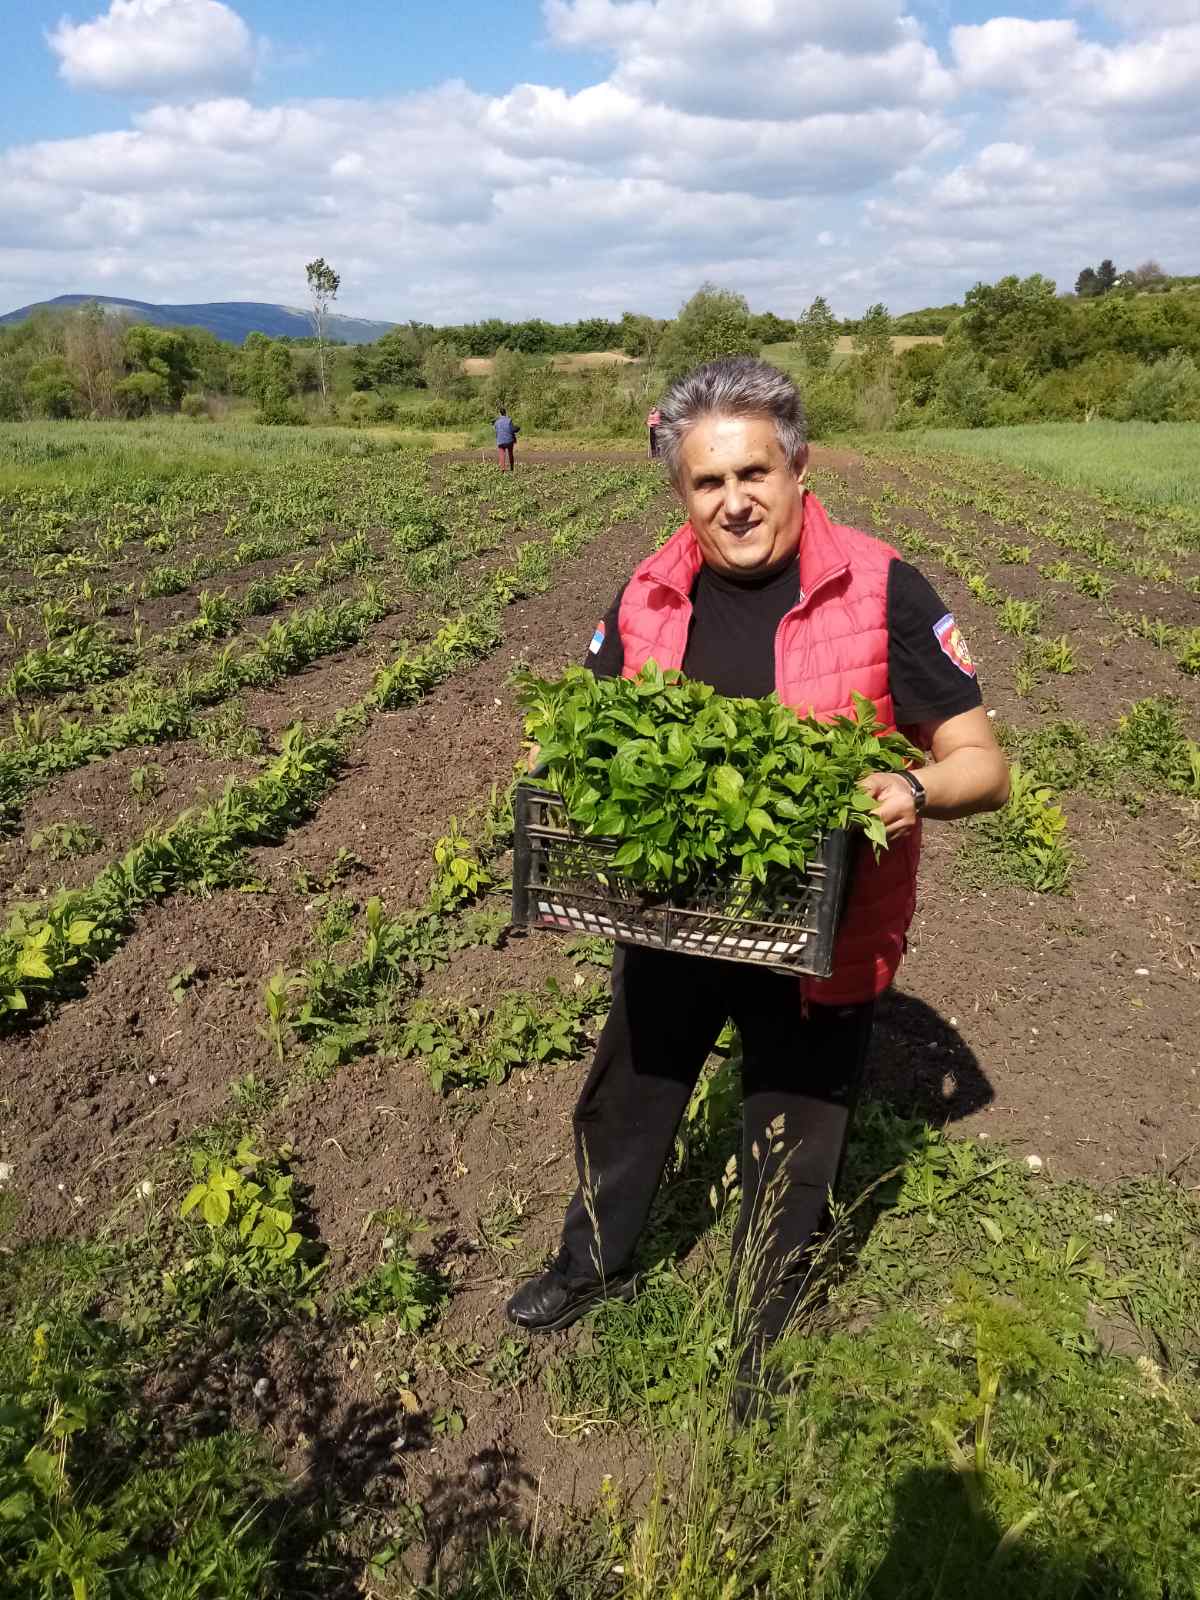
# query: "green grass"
[[1151, 465], [955, 1421], [107, 455]]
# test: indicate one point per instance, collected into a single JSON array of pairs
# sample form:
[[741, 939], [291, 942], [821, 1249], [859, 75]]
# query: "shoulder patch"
[[597, 640], [949, 635]]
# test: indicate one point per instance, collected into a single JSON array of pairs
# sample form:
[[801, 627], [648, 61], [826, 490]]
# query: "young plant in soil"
[[1024, 843]]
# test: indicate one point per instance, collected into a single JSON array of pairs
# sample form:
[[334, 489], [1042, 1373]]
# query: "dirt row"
[[1059, 1025]]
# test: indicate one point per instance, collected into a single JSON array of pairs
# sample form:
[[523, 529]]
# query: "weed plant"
[[1024, 843]]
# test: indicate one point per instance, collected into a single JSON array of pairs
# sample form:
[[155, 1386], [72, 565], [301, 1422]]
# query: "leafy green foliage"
[[1146, 745], [942, 1417], [46, 950], [63, 841], [695, 785], [1020, 617], [1024, 842], [470, 1046], [247, 1205], [88, 655], [459, 876], [401, 1287], [715, 322], [465, 639]]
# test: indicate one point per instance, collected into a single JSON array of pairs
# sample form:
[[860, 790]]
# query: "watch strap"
[[917, 787]]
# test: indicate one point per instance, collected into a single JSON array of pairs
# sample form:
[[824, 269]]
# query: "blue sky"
[[367, 48], [567, 157]]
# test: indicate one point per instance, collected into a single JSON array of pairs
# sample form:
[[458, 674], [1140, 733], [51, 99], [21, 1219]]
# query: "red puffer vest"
[[833, 641]]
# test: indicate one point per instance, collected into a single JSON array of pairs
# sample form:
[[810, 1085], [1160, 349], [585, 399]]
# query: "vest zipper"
[[799, 608]]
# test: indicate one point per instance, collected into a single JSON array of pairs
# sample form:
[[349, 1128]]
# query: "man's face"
[[743, 497]]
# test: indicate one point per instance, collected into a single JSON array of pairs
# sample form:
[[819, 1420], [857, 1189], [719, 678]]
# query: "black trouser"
[[801, 1072]]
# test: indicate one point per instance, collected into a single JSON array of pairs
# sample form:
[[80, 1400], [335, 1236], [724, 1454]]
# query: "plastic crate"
[[562, 881]]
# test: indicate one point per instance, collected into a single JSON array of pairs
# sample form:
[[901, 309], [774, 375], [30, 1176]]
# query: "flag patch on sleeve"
[[597, 640], [949, 635]]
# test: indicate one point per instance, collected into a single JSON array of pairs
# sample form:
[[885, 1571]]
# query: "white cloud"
[[1052, 65], [784, 147], [761, 58], [156, 47], [1148, 14]]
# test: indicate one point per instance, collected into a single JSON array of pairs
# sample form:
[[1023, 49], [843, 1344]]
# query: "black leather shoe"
[[548, 1302], [757, 1385]]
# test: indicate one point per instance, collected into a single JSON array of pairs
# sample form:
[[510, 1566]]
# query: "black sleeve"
[[606, 655], [931, 671]]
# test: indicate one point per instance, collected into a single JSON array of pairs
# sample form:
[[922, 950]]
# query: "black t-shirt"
[[731, 642]]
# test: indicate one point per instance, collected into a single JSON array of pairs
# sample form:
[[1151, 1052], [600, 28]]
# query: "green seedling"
[[276, 997], [1020, 617], [180, 982], [146, 782], [248, 1207], [459, 876], [1057, 655], [693, 786], [62, 841]]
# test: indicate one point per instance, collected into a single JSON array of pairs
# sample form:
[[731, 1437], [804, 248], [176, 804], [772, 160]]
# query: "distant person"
[[652, 425], [506, 439]]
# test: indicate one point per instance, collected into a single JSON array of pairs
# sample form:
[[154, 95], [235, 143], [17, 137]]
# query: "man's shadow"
[[920, 1068], [943, 1547]]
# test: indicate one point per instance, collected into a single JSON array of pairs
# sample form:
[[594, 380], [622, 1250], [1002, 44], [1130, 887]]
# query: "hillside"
[[230, 320]]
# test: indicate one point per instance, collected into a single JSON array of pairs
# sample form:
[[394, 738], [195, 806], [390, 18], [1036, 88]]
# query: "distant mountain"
[[230, 320]]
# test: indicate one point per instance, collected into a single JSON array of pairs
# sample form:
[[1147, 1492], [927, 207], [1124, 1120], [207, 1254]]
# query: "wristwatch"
[[917, 787]]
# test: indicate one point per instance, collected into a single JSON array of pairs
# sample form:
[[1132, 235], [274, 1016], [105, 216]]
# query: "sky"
[[568, 158]]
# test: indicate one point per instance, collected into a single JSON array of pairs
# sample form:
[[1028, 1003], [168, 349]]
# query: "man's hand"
[[968, 774], [894, 801]]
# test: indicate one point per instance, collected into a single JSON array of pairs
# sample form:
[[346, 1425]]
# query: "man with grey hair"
[[760, 591]]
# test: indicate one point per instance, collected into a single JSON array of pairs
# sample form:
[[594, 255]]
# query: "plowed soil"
[[1062, 1026]]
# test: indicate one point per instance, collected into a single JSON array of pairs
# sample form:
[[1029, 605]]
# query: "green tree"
[[873, 339], [767, 328], [50, 389], [715, 322], [93, 347], [323, 285], [142, 392], [963, 396], [1167, 391], [1087, 284], [442, 369], [214, 360], [511, 372], [165, 352], [639, 335], [817, 334], [269, 378], [917, 371], [1023, 319], [1106, 276], [396, 357]]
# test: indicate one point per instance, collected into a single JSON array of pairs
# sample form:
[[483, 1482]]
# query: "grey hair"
[[734, 386]]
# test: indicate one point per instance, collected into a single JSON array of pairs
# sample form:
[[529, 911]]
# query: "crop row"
[[45, 950], [154, 713], [1054, 525], [1097, 523], [1016, 616], [402, 510]]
